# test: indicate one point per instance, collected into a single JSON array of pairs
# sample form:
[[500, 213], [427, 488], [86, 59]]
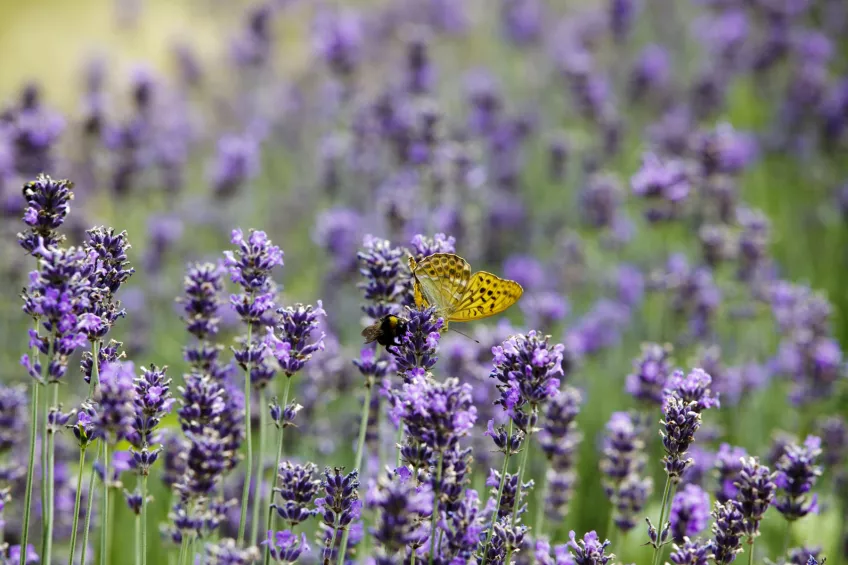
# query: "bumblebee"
[[386, 331]]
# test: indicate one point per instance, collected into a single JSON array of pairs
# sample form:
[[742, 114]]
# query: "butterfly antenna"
[[462, 334]]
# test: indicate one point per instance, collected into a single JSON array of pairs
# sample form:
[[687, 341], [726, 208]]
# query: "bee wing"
[[372, 333]]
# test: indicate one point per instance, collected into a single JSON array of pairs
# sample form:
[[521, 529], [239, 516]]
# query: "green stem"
[[33, 430], [138, 539], [521, 467], [77, 507], [434, 516], [399, 442], [260, 468], [47, 542], [333, 539], [88, 512], [245, 493], [504, 469], [751, 551], [270, 521], [95, 368], [45, 469], [609, 533], [360, 448], [183, 544], [660, 524], [104, 519], [144, 519]]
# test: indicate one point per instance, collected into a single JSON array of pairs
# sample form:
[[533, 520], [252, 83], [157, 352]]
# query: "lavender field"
[[192, 242]]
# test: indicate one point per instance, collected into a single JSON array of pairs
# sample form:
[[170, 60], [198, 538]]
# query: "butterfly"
[[386, 331], [444, 281]]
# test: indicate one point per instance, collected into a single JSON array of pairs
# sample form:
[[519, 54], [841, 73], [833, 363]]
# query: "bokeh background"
[[518, 134]]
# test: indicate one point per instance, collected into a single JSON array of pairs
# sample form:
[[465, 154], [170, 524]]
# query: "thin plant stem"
[[660, 525], [95, 368], [609, 533], [144, 519], [138, 539], [104, 519], [260, 468], [88, 512], [333, 540], [183, 544], [248, 461], [399, 442], [504, 469], [360, 448], [33, 430], [787, 539], [434, 516], [751, 551], [269, 524], [47, 542], [521, 466], [77, 507]]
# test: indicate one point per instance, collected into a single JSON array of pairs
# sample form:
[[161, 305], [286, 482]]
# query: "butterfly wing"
[[486, 295], [441, 280], [420, 302]]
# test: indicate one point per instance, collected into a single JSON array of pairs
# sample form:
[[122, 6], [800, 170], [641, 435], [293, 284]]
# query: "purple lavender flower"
[[600, 200], [528, 370], [31, 557], [664, 184], [380, 265], [35, 131], [237, 162], [690, 512], [338, 38], [462, 528], [589, 550], [622, 450], [284, 416], [48, 204], [436, 414], [152, 400], [285, 547], [728, 530], [797, 473], [293, 342], [728, 464], [512, 499], [681, 421], [203, 285], [57, 295], [340, 507], [402, 509], [298, 486], [13, 403], [521, 20], [227, 552], [692, 552], [116, 413], [251, 264], [506, 538], [417, 353], [559, 439], [834, 433], [756, 493], [651, 371], [629, 500], [693, 389], [650, 73]]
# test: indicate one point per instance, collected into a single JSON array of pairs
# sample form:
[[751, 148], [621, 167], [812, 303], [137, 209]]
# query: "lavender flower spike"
[[293, 341], [48, 204], [286, 547], [590, 550], [797, 472]]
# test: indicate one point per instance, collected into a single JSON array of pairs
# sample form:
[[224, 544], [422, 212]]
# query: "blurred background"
[[649, 171]]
